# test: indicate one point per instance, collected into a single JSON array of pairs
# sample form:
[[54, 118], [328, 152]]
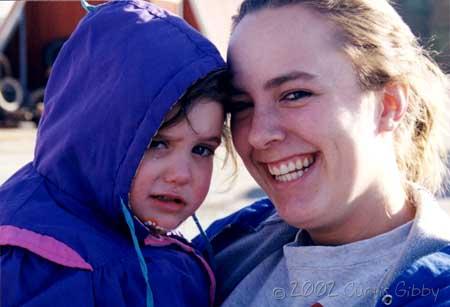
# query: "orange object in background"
[[46, 22]]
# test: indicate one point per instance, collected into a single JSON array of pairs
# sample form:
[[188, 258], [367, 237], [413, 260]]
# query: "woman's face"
[[304, 128]]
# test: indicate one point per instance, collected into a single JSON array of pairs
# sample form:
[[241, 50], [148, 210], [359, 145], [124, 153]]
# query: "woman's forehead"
[[275, 42], [295, 19]]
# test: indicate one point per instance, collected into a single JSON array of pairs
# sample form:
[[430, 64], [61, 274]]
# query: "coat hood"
[[122, 69]]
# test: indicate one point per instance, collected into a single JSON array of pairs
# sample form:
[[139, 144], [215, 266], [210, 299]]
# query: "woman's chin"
[[299, 215]]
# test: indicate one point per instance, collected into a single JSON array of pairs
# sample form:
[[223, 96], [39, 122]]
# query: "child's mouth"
[[168, 199]]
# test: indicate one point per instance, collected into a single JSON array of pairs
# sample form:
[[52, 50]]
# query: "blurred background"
[[32, 33]]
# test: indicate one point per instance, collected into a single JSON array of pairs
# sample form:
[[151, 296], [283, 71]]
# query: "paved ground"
[[16, 149]]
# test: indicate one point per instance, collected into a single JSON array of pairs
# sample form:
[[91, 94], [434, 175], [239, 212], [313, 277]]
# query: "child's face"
[[175, 172]]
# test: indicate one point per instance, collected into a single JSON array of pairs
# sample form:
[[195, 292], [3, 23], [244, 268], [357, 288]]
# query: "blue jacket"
[[63, 232], [244, 239]]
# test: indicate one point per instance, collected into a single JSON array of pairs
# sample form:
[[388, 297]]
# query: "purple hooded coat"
[[64, 236]]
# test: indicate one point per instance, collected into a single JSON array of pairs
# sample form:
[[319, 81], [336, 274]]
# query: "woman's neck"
[[369, 218]]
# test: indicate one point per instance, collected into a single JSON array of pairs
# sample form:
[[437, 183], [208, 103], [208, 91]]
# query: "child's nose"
[[178, 173]]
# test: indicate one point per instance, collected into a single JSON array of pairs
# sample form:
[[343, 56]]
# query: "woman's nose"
[[265, 129]]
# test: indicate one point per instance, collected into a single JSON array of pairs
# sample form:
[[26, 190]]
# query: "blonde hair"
[[384, 50]]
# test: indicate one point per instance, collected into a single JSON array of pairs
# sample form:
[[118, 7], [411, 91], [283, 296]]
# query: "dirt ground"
[[16, 149]]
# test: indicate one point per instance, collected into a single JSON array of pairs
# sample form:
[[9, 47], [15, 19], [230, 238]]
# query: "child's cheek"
[[203, 182]]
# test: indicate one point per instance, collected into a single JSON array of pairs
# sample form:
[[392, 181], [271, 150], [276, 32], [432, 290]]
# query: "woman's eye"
[[296, 95], [240, 110], [203, 151], [239, 106], [157, 144]]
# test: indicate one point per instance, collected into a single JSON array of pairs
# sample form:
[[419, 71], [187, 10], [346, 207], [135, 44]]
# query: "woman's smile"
[[292, 168]]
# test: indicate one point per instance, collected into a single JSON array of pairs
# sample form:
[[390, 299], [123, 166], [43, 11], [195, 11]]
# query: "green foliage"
[[430, 21]]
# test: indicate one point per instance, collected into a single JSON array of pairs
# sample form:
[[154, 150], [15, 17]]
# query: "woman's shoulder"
[[242, 240], [433, 268], [425, 282], [231, 227]]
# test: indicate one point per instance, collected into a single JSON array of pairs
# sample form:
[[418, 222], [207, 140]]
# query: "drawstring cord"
[[88, 7], [142, 263], [209, 249]]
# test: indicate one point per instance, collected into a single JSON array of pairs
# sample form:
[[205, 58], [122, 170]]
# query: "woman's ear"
[[394, 102]]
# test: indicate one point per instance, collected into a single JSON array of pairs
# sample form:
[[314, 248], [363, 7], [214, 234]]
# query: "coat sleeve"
[[26, 279]]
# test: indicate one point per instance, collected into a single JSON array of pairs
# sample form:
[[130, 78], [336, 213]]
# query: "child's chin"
[[162, 227]]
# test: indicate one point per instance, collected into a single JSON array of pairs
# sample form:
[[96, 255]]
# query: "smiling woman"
[[316, 111], [339, 115]]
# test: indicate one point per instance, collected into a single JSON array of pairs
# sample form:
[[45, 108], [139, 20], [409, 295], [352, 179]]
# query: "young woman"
[[340, 115]]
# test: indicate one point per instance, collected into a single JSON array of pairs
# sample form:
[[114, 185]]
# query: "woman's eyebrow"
[[290, 76]]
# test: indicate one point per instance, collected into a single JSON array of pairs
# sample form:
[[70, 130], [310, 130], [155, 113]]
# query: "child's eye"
[[157, 144], [296, 95], [203, 151]]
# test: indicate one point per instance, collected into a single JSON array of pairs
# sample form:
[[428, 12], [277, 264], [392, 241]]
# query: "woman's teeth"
[[291, 170]]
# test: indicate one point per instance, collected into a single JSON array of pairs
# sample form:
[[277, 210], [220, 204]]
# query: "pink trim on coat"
[[165, 241], [44, 246]]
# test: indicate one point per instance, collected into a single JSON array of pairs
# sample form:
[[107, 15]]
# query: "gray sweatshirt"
[[261, 255]]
